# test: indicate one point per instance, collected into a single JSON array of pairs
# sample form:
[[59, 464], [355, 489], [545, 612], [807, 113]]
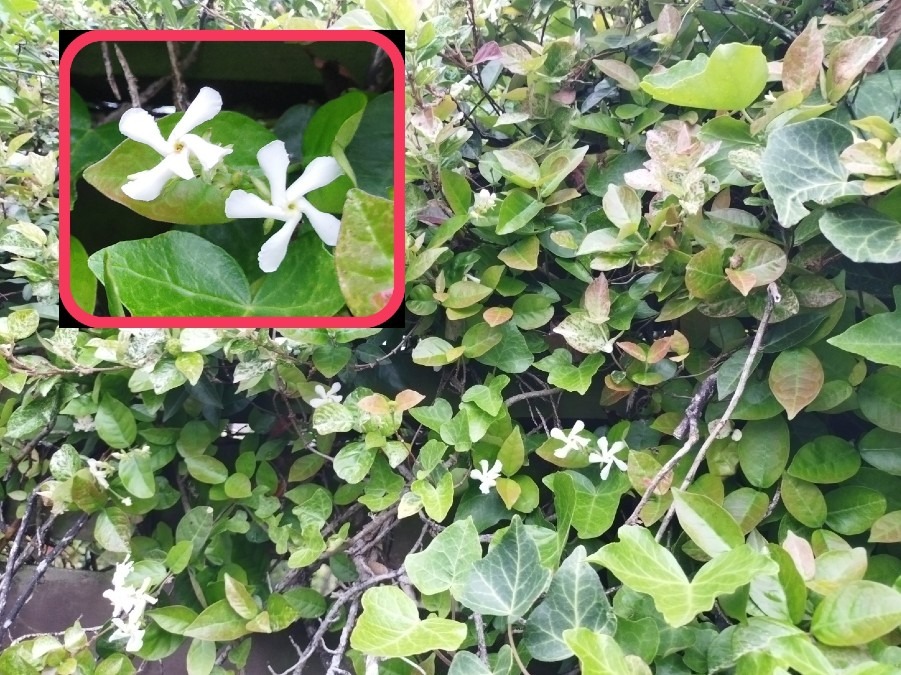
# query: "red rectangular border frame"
[[65, 290]]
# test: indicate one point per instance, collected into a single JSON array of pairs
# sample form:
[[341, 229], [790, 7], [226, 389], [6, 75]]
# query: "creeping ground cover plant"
[[206, 167], [644, 412]]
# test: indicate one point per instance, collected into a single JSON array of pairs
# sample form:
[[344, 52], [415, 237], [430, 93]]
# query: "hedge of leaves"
[[645, 415]]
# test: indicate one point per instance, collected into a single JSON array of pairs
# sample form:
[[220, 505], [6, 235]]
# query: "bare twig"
[[480, 634], [137, 14], [42, 566], [133, 92], [515, 651], [525, 396], [335, 666], [108, 67], [179, 91], [6, 580], [774, 502]]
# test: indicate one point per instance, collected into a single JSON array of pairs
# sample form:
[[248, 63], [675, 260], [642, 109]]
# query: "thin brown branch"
[[179, 91], [133, 92], [335, 665], [522, 666], [525, 396], [12, 558], [108, 68], [480, 635]]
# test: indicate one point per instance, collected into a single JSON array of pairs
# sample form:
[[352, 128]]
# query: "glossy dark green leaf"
[[371, 152], [82, 282]]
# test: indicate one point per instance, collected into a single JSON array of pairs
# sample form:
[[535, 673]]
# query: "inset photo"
[[231, 179]]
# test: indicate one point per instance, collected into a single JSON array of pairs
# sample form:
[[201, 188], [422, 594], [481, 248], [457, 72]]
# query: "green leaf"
[[188, 202], [115, 423], [511, 354], [512, 452], [562, 373], [206, 469], [447, 559], [763, 451], [240, 598], [523, 255], [761, 263], [332, 418], [219, 623], [113, 530], [371, 152], [390, 627], [364, 256], [557, 166], [710, 82], [173, 619], [704, 275], [323, 127], [622, 206], [436, 500], [853, 509], [804, 501], [598, 653], [796, 378], [862, 234], [827, 459], [237, 486], [575, 599], [509, 579], [517, 210], [801, 164], [28, 420], [457, 191], [856, 614], [353, 461], [519, 167], [583, 334], [201, 657], [136, 473], [877, 338], [195, 527], [81, 281], [708, 524], [879, 397]]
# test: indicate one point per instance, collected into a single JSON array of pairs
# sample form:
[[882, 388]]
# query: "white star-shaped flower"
[[99, 470], [607, 457], [571, 441], [128, 630], [286, 204], [487, 477], [139, 125], [330, 396]]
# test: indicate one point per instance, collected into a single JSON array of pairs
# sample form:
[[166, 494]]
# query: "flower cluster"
[[287, 204], [606, 456], [129, 603]]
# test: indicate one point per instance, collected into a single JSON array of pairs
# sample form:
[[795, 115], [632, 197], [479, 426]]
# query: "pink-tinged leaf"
[[495, 316], [847, 61], [597, 300], [889, 27], [374, 404], [801, 553], [669, 21], [623, 73], [743, 281], [487, 52], [803, 60], [564, 96], [407, 399], [796, 378], [636, 351]]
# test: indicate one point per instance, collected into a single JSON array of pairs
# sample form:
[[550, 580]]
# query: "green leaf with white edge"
[[516, 211], [826, 459], [239, 598], [519, 167], [332, 418], [575, 599], [557, 166], [710, 82], [796, 378], [622, 206], [112, 530], [364, 256], [446, 561], [598, 653], [389, 626], [28, 420], [862, 234], [562, 373], [876, 338], [187, 202], [509, 579], [136, 473], [708, 524], [115, 423], [801, 164], [856, 614], [206, 469], [81, 281], [219, 623]]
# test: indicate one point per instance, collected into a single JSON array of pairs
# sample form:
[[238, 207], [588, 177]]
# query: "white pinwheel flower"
[[330, 396], [571, 441], [607, 457], [286, 204], [139, 125], [487, 477], [130, 631]]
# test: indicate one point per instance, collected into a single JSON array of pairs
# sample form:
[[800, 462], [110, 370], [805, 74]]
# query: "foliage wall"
[[644, 416]]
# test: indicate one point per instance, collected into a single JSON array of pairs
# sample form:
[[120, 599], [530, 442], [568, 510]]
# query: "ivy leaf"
[[509, 579], [863, 234], [390, 627], [562, 373], [710, 82], [598, 653], [575, 599], [796, 378], [801, 164], [446, 560], [856, 614]]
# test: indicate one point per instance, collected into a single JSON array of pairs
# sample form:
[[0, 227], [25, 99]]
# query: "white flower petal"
[[621, 465], [241, 204], [320, 390], [321, 171], [273, 160], [562, 452], [603, 446], [605, 472], [145, 186], [616, 447], [325, 224], [178, 163], [577, 428], [275, 249], [202, 109], [139, 125], [595, 458], [558, 434], [335, 388], [208, 154]]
